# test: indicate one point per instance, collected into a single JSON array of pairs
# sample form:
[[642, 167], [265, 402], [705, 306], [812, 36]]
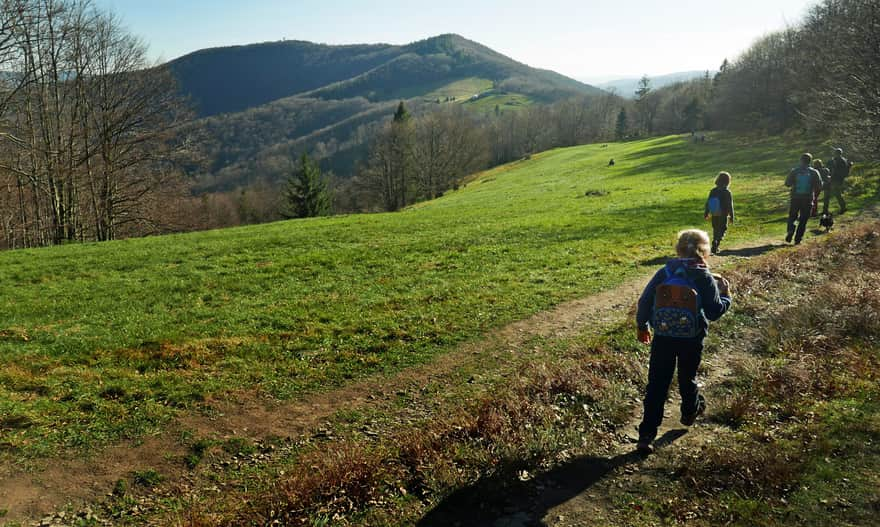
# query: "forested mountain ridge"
[[232, 79], [261, 105]]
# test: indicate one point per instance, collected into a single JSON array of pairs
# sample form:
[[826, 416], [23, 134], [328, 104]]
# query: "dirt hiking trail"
[[577, 493], [37, 493]]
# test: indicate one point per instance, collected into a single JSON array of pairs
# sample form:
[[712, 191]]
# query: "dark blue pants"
[[719, 228], [665, 351], [799, 210]]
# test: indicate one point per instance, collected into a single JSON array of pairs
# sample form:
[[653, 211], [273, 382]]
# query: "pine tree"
[[307, 193], [401, 146], [692, 114], [401, 115], [646, 105], [644, 88], [622, 125]]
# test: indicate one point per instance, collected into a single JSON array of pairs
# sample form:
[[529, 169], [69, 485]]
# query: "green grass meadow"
[[462, 89], [100, 342], [503, 101]]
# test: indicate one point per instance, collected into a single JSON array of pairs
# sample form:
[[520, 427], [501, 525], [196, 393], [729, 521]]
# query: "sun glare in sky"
[[588, 40]]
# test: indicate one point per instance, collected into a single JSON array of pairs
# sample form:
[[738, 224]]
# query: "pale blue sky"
[[593, 40]]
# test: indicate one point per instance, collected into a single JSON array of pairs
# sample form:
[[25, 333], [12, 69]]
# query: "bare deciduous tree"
[[85, 124]]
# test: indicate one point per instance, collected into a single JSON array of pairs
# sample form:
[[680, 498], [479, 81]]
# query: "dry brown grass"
[[813, 345]]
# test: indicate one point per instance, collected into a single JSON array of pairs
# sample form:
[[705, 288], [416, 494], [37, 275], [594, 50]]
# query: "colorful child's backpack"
[[715, 206], [676, 304]]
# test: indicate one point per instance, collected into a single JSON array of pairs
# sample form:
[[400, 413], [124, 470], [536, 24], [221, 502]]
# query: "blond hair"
[[693, 243]]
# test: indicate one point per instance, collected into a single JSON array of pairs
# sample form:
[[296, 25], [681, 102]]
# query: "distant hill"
[[626, 87], [277, 99], [232, 79]]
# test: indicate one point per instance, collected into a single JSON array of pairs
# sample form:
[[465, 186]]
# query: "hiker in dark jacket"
[[839, 168], [719, 206], [805, 183], [711, 302]]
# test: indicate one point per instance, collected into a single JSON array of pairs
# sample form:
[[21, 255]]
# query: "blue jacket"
[[714, 305]]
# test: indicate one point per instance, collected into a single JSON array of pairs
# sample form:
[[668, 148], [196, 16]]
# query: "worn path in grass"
[[578, 492], [55, 483], [586, 491], [582, 501]]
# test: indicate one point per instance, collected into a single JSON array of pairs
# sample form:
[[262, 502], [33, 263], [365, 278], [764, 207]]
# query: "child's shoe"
[[688, 420], [644, 447]]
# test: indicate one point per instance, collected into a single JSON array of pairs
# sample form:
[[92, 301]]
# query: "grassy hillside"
[[543, 442], [111, 339]]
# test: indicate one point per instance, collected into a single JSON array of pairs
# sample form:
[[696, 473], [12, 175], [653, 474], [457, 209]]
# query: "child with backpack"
[[677, 305], [719, 206]]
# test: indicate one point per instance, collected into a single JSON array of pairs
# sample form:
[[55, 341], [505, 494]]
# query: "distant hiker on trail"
[[677, 304], [839, 168], [825, 174], [719, 207], [805, 183]]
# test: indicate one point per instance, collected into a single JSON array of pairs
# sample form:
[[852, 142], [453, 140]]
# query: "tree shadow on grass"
[[496, 501], [660, 260], [751, 251]]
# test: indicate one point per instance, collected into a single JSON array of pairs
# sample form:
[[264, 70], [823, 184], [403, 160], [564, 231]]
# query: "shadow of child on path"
[[497, 501]]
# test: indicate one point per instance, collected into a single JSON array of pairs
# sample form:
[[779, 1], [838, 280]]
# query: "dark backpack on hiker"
[[841, 169], [676, 304]]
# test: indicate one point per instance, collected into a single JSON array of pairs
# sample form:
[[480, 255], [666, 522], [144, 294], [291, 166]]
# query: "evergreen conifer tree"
[[620, 129], [307, 193], [401, 115]]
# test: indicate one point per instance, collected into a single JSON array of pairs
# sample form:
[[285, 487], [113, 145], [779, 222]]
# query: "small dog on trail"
[[826, 220]]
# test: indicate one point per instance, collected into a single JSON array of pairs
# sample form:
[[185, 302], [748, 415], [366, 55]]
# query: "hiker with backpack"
[[719, 206], [677, 305], [805, 183], [839, 168]]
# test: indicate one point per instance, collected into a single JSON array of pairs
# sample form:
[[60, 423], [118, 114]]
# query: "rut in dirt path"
[[59, 482]]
